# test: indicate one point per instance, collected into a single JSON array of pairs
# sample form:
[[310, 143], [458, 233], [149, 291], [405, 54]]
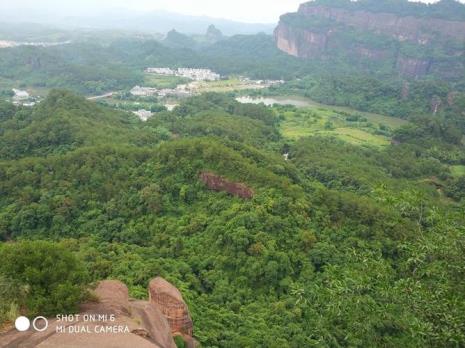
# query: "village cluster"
[[198, 76], [179, 91], [190, 73], [22, 98], [183, 90], [8, 44], [200, 81]]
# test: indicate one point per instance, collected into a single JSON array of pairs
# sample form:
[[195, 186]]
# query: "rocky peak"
[[213, 33]]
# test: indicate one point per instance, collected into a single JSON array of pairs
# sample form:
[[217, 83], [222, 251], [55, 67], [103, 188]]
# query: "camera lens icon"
[[22, 324], [39, 324], [43, 324]]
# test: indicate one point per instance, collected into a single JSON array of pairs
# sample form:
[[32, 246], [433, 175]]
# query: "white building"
[[144, 115], [160, 71], [20, 95], [7, 44], [190, 73], [198, 74], [139, 91]]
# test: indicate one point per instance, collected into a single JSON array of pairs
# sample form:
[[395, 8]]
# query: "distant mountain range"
[[153, 21]]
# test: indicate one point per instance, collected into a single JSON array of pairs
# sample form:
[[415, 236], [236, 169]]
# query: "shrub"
[[54, 278]]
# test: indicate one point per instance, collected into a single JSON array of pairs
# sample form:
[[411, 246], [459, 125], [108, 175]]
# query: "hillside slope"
[[339, 245]]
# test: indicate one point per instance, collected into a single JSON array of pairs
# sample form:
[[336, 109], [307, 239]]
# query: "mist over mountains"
[[123, 19]]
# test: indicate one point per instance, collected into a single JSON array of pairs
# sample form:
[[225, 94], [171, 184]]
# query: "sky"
[[257, 11]]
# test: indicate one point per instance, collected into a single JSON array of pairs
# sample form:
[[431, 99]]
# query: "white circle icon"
[[42, 328], [22, 324]]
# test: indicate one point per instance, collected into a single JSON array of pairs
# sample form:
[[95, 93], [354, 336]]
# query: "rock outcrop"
[[218, 183], [412, 67], [114, 321], [213, 34], [403, 43], [167, 298]]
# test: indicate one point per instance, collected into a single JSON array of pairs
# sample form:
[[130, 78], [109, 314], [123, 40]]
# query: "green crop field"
[[225, 86], [457, 170], [353, 126], [161, 81]]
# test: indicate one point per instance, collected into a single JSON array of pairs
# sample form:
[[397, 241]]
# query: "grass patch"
[[457, 170], [360, 137], [162, 81], [223, 86]]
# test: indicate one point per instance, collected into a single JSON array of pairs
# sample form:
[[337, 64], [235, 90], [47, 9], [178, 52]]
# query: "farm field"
[[225, 86], [457, 170], [352, 126], [161, 81]]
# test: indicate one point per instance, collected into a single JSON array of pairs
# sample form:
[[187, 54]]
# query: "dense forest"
[[341, 245]]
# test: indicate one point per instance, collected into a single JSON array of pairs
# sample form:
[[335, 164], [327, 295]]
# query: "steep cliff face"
[[418, 30], [168, 300], [300, 43], [412, 46]]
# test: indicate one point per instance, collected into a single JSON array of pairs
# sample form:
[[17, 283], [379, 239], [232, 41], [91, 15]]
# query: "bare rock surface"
[[218, 183], [304, 38], [169, 301]]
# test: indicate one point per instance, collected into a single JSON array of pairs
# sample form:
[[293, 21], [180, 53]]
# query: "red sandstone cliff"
[[417, 30], [168, 300], [300, 35]]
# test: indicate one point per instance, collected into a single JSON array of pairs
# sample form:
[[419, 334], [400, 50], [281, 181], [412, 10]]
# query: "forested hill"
[[411, 39], [450, 10], [341, 245], [64, 122]]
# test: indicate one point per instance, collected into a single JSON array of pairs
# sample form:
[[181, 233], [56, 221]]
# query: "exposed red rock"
[[306, 41], [169, 301], [406, 28], [451, 98], [413, 67], [113, 296], [300, 43], [218, 183], [405, 90], [435, 104]]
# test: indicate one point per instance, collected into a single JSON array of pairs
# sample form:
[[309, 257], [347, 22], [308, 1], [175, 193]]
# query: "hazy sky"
[[243, 10]]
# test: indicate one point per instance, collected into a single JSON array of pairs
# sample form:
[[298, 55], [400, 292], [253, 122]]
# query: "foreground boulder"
[[169, 301], [115, 321]]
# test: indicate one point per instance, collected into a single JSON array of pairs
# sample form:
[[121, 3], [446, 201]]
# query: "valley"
[[315, 119], [226, 188]]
